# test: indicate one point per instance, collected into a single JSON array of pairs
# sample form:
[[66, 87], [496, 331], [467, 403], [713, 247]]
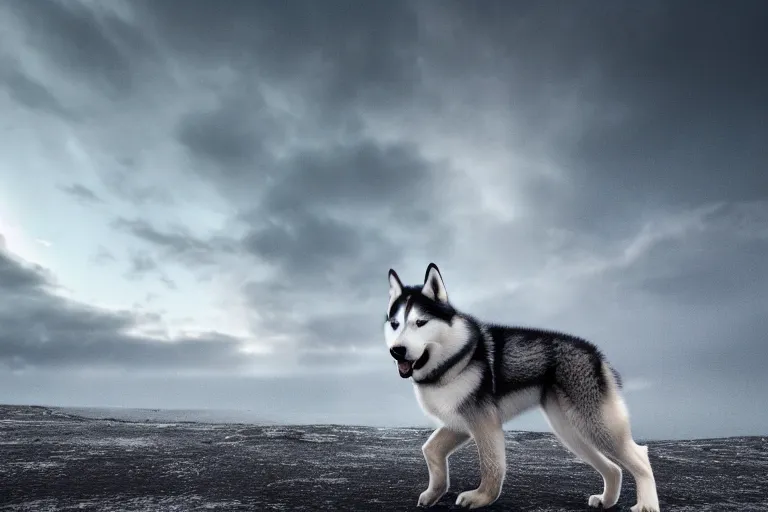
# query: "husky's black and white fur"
[[473, 377]]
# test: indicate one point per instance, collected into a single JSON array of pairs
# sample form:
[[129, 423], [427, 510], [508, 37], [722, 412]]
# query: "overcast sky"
[[199, 201]]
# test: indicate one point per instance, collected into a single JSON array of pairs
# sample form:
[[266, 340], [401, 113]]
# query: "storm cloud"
[[41, 328], [253, 170]]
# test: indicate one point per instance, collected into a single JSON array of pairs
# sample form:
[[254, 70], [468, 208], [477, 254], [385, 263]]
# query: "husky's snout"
[[404, 366], [398, 352]]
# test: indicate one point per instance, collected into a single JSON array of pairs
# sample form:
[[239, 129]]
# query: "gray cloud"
[[177, 242], [143, 265], [309, 245], [371, 62], [297, 223], [93, 44], [234, 135], [43, 329], [103, 256], [126, 183], [16, 276], [360, 175], [82, 193], [667, 113], [335, 331], [29, 92], [696, 271], [705, 288]]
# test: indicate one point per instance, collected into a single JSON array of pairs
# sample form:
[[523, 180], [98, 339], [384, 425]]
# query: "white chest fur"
[[442, 401]]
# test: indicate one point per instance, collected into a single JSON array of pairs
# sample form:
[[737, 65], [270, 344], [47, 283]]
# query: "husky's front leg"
[[489, 437], [438, 447]]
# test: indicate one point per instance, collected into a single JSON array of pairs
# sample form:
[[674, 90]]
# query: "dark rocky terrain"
[[53, 460]]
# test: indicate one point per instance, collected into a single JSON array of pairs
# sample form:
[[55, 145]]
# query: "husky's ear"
[[395, 288], [434, 288]]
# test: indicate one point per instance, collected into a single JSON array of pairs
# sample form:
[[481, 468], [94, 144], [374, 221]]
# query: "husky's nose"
[[398, 352]]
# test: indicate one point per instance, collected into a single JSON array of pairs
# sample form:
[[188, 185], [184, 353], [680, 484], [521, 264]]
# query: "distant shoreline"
[[235, 417]]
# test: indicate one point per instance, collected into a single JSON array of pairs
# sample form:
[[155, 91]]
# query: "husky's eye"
[[421, 322], [395, 324]]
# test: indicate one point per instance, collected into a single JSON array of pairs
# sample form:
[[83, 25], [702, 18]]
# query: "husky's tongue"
[[405, 368]]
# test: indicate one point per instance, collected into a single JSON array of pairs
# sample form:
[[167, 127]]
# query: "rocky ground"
[[54, 460]]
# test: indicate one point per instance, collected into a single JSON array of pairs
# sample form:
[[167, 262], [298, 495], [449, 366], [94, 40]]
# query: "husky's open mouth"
[[406, 367]]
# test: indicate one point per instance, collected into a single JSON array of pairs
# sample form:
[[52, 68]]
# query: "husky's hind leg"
[[607, 427], [585, 450], [629, 454], [438, 447]]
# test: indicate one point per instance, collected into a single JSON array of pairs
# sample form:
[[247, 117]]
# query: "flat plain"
[[52, 459]]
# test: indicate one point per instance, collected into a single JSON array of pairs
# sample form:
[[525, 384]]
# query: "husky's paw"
[[643, 507], [475, 499], [596, 501], [430, 497]]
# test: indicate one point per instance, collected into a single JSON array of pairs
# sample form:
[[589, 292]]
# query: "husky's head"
[[419, 323]]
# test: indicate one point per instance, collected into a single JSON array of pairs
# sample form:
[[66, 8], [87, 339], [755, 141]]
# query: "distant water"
[[167, 415], [224, 416]]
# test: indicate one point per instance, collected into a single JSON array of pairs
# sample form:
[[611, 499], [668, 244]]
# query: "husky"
[[472, 377]]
